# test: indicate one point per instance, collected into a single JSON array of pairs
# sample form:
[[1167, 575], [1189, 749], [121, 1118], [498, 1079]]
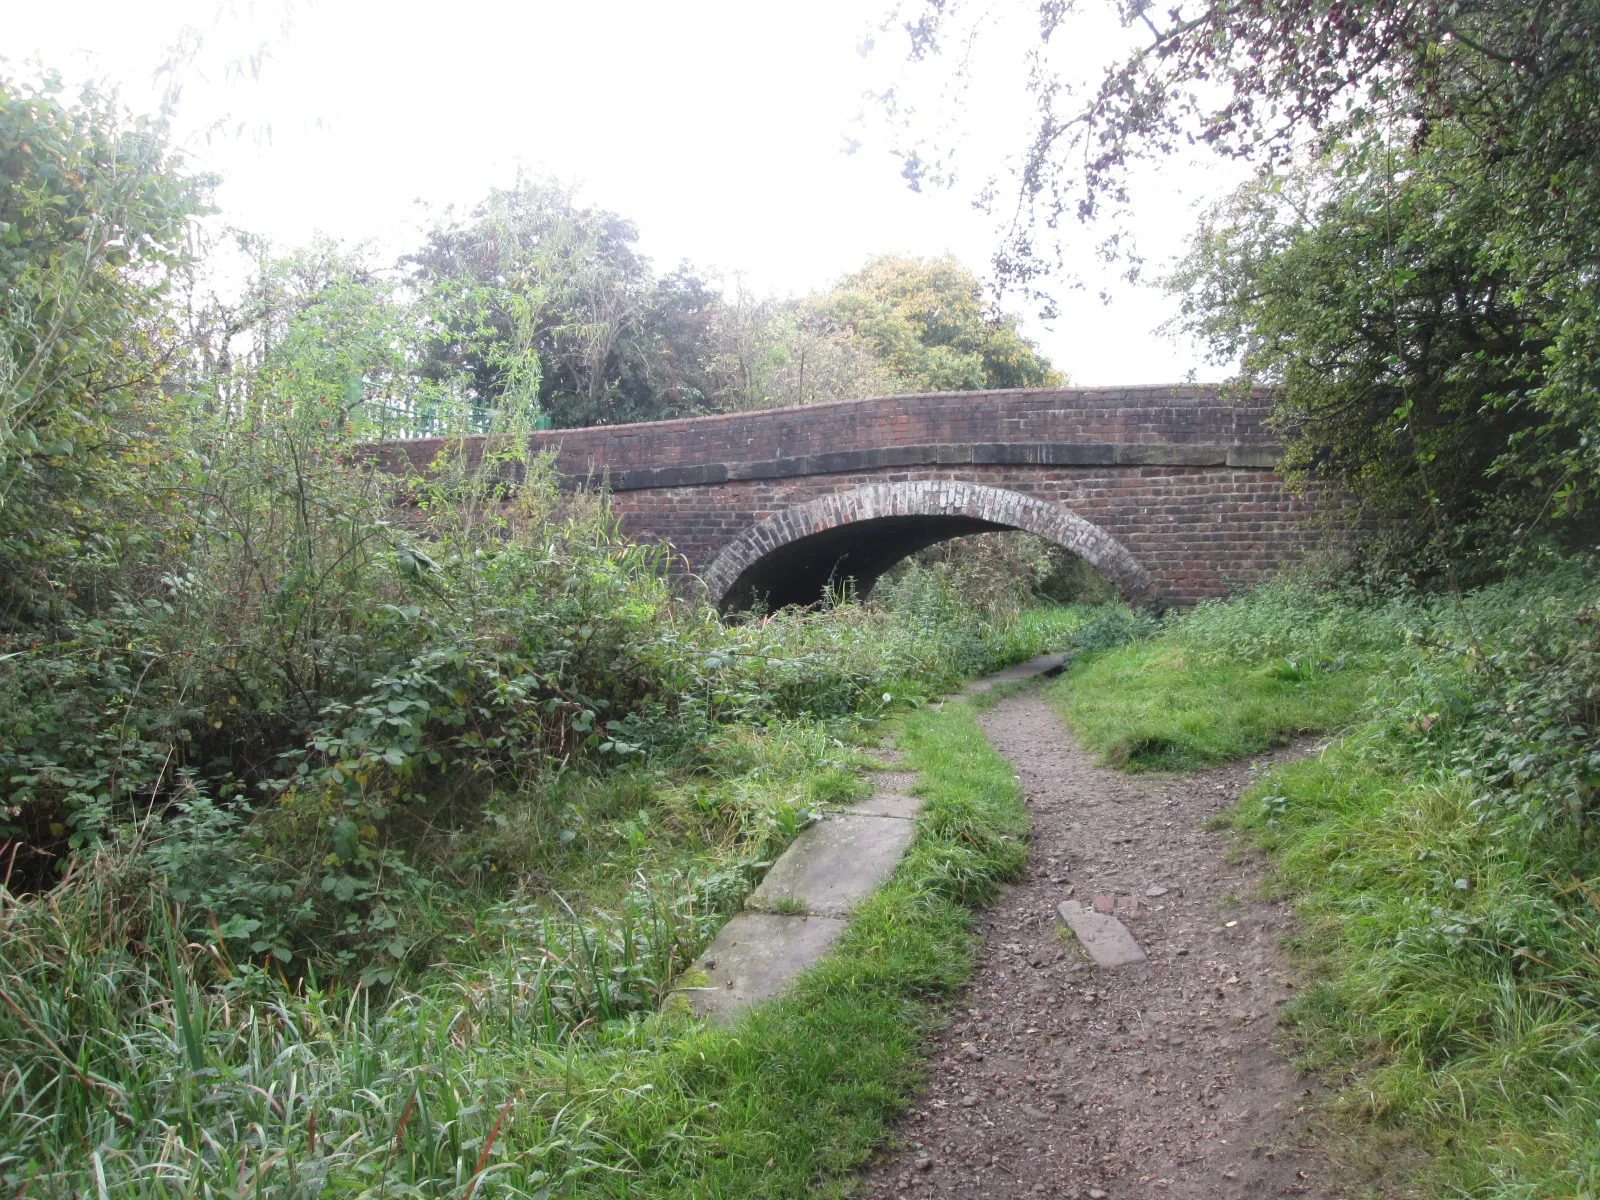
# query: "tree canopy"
[[1415, 265], [96, 215], [925, 318], [532, 280]]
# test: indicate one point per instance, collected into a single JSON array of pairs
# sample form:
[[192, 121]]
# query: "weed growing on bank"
[[353, 846], [348, 818], [1447, 871]]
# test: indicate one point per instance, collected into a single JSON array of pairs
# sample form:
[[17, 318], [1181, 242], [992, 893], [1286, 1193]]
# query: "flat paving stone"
[[829, 868], [836, 863], [887, 804], [1105, 938], [1045, 664], [754, 957], [893, 781]]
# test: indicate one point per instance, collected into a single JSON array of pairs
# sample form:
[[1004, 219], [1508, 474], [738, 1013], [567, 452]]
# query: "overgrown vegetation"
[[1412, 267], [144, 1063], [1441, 850], [1413, 270], [356, 827]]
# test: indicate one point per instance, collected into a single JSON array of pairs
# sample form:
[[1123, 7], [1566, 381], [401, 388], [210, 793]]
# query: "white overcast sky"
[[717, 125]]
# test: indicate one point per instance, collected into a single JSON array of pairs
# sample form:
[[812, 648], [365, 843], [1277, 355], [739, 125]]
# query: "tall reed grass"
[[141, 1065]]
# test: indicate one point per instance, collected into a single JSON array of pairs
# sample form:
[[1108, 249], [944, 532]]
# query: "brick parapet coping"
[[1180, 426]]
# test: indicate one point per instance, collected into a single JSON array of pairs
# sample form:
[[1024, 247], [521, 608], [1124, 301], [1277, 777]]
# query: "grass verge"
[[796, 1093], [1224, 680], [532, 1068], [1442, 854], [1161, 707], [1452, 962]]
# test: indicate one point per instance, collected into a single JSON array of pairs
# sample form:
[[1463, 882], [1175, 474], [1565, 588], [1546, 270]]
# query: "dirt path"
[[1059, 1079]]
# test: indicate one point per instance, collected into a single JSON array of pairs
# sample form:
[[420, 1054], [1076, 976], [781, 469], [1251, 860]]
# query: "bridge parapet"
[[1135, 426], [1176, 483]]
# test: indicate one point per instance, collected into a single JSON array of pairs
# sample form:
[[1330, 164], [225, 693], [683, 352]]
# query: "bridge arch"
[[792, 555]]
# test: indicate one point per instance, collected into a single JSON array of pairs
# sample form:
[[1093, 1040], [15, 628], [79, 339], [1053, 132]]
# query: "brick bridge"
[[1168, 491]]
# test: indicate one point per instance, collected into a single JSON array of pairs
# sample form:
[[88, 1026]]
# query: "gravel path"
[[1060, 1079]]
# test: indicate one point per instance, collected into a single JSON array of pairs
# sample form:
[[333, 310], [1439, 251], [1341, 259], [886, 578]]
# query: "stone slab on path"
[[887, 804], [836, 863], [1105, 938], [826, 871], [755, 957], [899, 782], [1045, 664]]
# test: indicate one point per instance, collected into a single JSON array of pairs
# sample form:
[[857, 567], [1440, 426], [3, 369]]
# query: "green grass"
[[796, 1093], [1043, 629], [1157, 705], [534, 1069], [1225, 679], [1453, 966], [1441, 854]]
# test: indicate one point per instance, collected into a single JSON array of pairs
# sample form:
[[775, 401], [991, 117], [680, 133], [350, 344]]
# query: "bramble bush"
[[334, 668]]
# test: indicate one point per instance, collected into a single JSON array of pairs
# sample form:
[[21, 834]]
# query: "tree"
[[96, 227], [925, 319], [897, 325], [530, 275], [1367, 288], [533, 282], [1261, 79], [1452, 302], [770, 353]]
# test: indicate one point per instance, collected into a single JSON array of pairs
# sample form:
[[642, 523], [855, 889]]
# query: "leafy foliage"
[[95, 218], [353, 825], [537, 1067], [1412, 353], [1415, 263], [1261, 80], [925, 319], [1443, 855], [531, 276], [1367, 293]]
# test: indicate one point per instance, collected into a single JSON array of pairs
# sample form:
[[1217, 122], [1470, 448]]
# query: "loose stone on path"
[[1103, 937]]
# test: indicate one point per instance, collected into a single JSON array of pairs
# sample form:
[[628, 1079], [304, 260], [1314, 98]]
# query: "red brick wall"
[[1155, 417], [1198, 532], [1180, 476]]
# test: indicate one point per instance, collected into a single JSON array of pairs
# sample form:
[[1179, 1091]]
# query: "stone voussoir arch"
[[927, 498]]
